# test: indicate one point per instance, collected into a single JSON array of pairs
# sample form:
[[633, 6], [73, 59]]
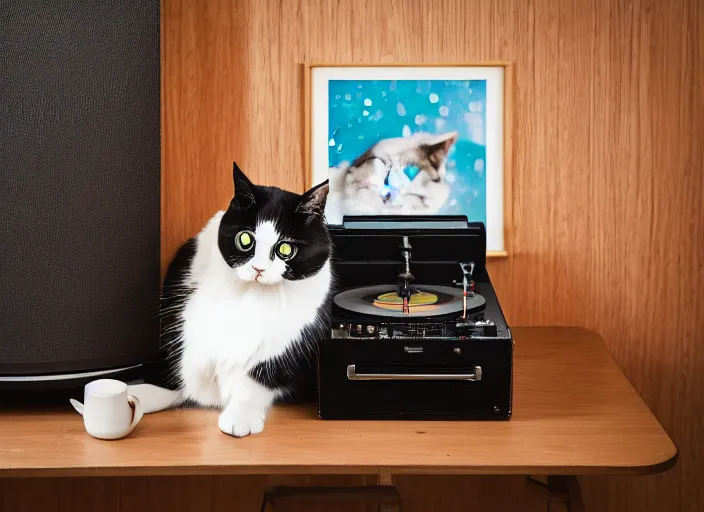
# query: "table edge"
[[116, 471]]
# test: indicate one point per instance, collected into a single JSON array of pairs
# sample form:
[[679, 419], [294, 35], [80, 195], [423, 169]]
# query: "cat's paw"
[[241, 421]]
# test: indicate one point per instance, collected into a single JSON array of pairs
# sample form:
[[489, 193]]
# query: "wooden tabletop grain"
[[574, 413]]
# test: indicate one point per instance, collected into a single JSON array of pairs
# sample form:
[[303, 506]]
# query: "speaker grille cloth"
[[79, 183]]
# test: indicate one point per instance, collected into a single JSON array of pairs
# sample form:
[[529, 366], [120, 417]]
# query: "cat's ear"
[[442, 142], [313, 201], [244, 196]]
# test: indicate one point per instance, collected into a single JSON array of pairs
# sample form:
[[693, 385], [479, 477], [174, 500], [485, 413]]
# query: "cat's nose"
[[258, 270]]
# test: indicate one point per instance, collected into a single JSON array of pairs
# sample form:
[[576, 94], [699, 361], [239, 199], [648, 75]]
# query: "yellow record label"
[[417, 299]]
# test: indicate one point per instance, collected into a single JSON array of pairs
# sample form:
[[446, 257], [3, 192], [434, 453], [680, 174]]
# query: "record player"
[[417, 331]]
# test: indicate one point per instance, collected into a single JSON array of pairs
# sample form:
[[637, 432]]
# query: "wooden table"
[[575, 413]]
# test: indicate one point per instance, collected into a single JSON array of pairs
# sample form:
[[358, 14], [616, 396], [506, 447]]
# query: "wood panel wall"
[[608, 181]]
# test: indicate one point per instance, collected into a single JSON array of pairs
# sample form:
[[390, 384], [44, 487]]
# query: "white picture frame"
[[494, 109]]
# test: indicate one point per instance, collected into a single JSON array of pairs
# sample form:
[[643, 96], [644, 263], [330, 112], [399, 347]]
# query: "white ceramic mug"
[[109, 412]]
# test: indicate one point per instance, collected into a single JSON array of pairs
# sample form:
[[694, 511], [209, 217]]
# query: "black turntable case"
[[370, 257]]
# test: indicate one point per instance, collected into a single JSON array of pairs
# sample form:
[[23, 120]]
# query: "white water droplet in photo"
[[365, 113], [331, 143], [400, 109], [348, 96], [434, 98], [367, 102], [420, 119], [444, 111], [406, 131]]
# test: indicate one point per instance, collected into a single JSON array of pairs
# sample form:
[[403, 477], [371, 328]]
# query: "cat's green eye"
[[244, 240], [286, 251]]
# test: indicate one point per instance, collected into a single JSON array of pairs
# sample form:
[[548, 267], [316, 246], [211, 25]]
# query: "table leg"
[[385, 497], [568, 485], [562, 493], [385, 480]]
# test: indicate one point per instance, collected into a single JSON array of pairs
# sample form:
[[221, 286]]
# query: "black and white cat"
[[244, 305]]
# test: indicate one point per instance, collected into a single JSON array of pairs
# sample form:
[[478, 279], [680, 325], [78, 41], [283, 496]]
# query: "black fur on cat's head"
[[268, 234]]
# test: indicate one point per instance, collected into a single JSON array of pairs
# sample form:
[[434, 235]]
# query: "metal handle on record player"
[[473, 376]]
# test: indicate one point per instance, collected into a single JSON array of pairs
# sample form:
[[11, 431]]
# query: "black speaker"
[[79, 189]]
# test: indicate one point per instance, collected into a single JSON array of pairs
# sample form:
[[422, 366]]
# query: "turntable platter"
[[382, 300]]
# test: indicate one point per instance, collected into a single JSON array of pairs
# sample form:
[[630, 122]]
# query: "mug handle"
[[138, 413]]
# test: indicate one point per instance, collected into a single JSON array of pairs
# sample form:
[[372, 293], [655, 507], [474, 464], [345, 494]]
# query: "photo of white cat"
[[409, 141], [411, 147], [376, 182]]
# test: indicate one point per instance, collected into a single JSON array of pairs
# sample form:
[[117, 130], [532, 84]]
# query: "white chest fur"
[[245, 324]]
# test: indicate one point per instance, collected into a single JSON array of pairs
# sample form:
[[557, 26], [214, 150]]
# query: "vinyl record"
[[382, 300]]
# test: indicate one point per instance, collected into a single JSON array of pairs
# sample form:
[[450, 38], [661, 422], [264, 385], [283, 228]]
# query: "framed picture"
[[412, 140]]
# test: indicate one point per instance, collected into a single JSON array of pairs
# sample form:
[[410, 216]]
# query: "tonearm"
[[405, 278], [467, 286]]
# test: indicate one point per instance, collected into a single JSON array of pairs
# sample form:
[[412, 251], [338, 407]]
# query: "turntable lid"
[[432, 239]]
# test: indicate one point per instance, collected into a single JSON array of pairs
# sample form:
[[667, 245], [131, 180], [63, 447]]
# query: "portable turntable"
[[417, 330]]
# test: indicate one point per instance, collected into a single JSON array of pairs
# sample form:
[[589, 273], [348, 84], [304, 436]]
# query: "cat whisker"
[[176, 324], [171, 309], [171, 329]]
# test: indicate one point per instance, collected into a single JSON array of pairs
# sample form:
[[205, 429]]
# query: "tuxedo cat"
[[376, 182], [244, 305]]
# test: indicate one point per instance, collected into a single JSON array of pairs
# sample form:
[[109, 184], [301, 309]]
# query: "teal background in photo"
[[362, 112]]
